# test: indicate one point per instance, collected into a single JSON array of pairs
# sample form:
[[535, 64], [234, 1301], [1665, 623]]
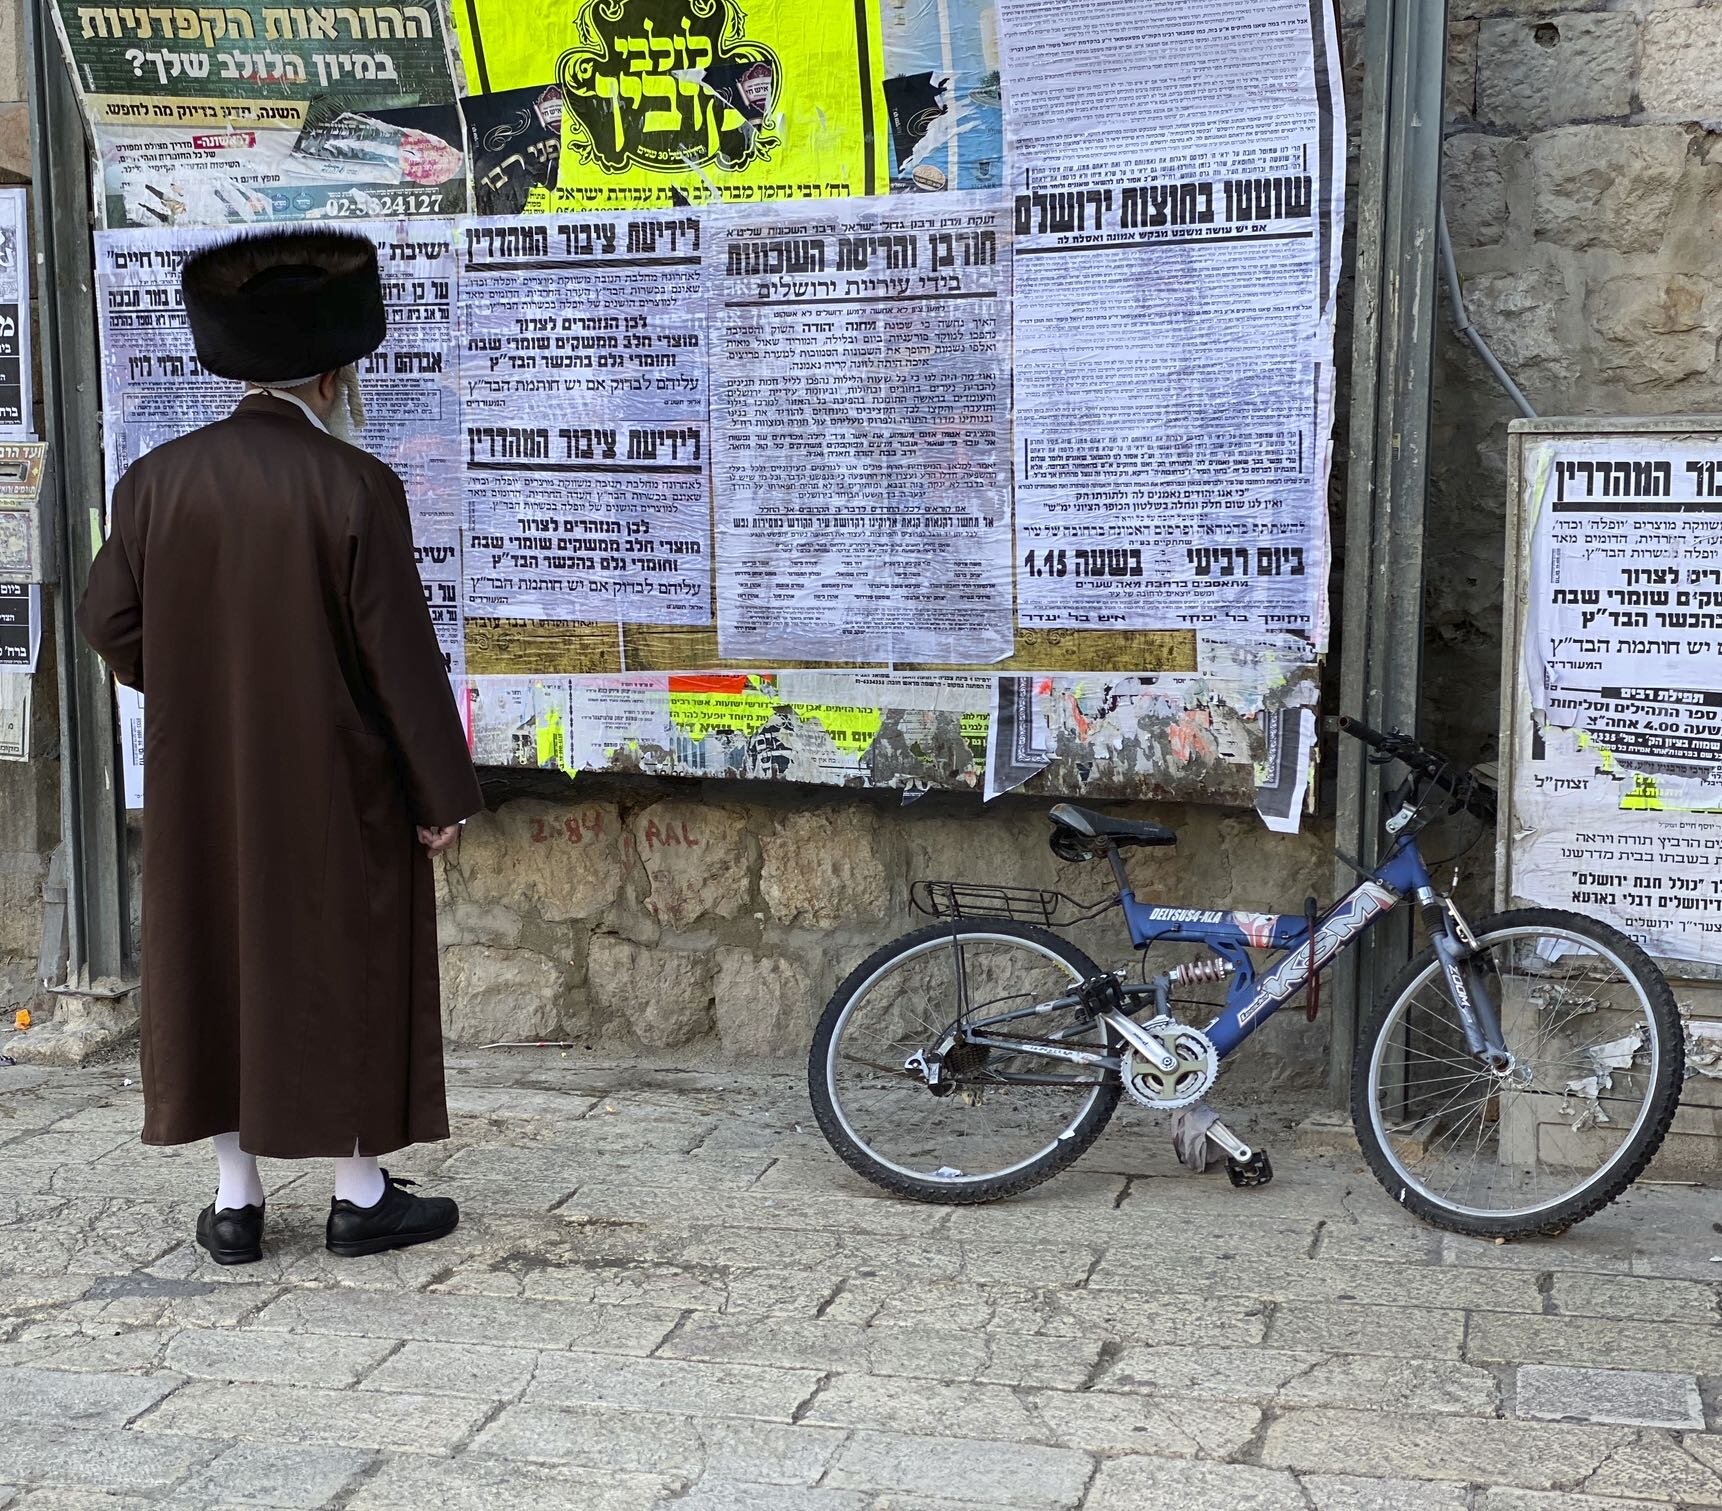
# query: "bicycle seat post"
[[1115, 855]]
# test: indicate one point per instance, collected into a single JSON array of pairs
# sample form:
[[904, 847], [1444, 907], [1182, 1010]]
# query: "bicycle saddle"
[[1121, 831]]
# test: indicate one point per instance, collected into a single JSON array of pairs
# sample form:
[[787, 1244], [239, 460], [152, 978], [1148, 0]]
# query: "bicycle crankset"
[[1183, 1085]]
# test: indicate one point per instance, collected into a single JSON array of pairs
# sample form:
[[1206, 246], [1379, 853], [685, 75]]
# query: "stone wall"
[[1583, 181], [683, 917]]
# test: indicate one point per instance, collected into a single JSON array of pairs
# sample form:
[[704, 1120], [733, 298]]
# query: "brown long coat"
[[258, 587]]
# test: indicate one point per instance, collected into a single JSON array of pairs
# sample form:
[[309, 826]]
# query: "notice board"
[[1612, 683], [880, 393]]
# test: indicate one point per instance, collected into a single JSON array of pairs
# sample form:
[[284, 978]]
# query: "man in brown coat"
[[303, 753]]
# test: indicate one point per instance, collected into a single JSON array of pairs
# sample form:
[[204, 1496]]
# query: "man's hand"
[[437, 840]]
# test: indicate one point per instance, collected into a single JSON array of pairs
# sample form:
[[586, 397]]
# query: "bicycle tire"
[[1590, 1198], [1065, 1152]]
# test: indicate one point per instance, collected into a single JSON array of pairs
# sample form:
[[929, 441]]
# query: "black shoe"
[[234, 1235], [396, 1221]]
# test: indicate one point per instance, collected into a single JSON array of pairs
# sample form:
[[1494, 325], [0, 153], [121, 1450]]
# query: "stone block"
[[1655, 329], [1539, 73], [825, 868], [764, 1005], [465, 1369], [493, 996], [698, 860], [475, 1483], [287, 1414], [560, 860], [478, 923], [47, 1397], [62, 1455], [664, 996], [1474, 188], [1462, 37], [1519, 312], [1629, 1397], [1128, 1484], [1681, 75], [273, 1358], [274, 1474], [703, 1390], [1004, 1473], [21, 904], [1609, 187], [14, 142]]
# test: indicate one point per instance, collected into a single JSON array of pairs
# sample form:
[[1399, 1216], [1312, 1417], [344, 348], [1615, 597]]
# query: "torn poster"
[[585, 435], [154, 388], [236, 114], [1618, 807], [17, 417], [20, 626], [131, 716], [1176, 245], [21, 468], [943, 95], [15, 697], [861, 421]]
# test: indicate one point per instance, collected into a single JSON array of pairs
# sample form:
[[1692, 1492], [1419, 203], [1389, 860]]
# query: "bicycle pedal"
[[1257, 1170]]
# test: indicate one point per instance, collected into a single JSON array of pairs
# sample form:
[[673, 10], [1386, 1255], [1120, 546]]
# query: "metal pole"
[[1405, 43], [92, 822]]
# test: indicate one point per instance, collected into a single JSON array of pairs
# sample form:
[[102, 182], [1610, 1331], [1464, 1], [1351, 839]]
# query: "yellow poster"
[[664, 102]]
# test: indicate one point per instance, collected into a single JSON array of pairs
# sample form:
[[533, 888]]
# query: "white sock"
[[359, 1180], [240, 1186]]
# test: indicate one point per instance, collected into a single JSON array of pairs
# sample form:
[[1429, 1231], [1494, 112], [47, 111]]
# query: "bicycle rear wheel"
[[977, 1136], [1595, 1078]]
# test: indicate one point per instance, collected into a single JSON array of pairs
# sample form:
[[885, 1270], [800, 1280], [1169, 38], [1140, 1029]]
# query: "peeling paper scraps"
[[1605, 1059], [1704, 1048]]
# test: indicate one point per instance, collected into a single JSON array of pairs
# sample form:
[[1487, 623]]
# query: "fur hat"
[[284, 306]]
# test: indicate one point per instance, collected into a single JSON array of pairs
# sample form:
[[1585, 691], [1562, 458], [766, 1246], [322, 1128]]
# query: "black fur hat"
[[284, 306]]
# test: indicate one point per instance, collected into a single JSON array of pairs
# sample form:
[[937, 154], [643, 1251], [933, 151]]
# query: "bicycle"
[[1514, 1080]]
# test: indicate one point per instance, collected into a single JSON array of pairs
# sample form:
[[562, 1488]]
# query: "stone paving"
[[665, 1291]]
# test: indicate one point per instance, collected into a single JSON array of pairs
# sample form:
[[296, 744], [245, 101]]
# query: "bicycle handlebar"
[[1470, 793]]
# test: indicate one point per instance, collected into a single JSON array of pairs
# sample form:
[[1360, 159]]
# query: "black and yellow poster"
[[638, 104]]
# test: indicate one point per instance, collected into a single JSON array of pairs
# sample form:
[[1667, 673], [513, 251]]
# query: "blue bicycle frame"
[[1253, 999]]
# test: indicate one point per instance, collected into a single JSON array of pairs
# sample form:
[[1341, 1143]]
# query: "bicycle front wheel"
[[999, 1121], [1592, 1084]]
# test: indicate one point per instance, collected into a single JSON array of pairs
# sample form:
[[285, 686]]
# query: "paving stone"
[[60, 1398], [599, 1437], [470, 1319], [273, 1358], [1130, 1484], [456, 1369], [1499, 1499], [1238, 1374], [980, 1411], [329, 1418], [1534, 1455], [1230, 1320], [65, 1345], [836, 1213], [474, 1482], [830, 1346], [1345, 1492], [740, 1390], [1500, 1338], [58, 1498], [273, 1474], [1011, 1474], [1099, 1422], [1635, 1398], [1651, 1465], [1339, 1328], [1635, 1298], [734, 1495], [1375, 1382], [50, 1454]]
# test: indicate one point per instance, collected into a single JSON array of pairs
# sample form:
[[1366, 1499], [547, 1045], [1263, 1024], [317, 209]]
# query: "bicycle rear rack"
[[966, 899]]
